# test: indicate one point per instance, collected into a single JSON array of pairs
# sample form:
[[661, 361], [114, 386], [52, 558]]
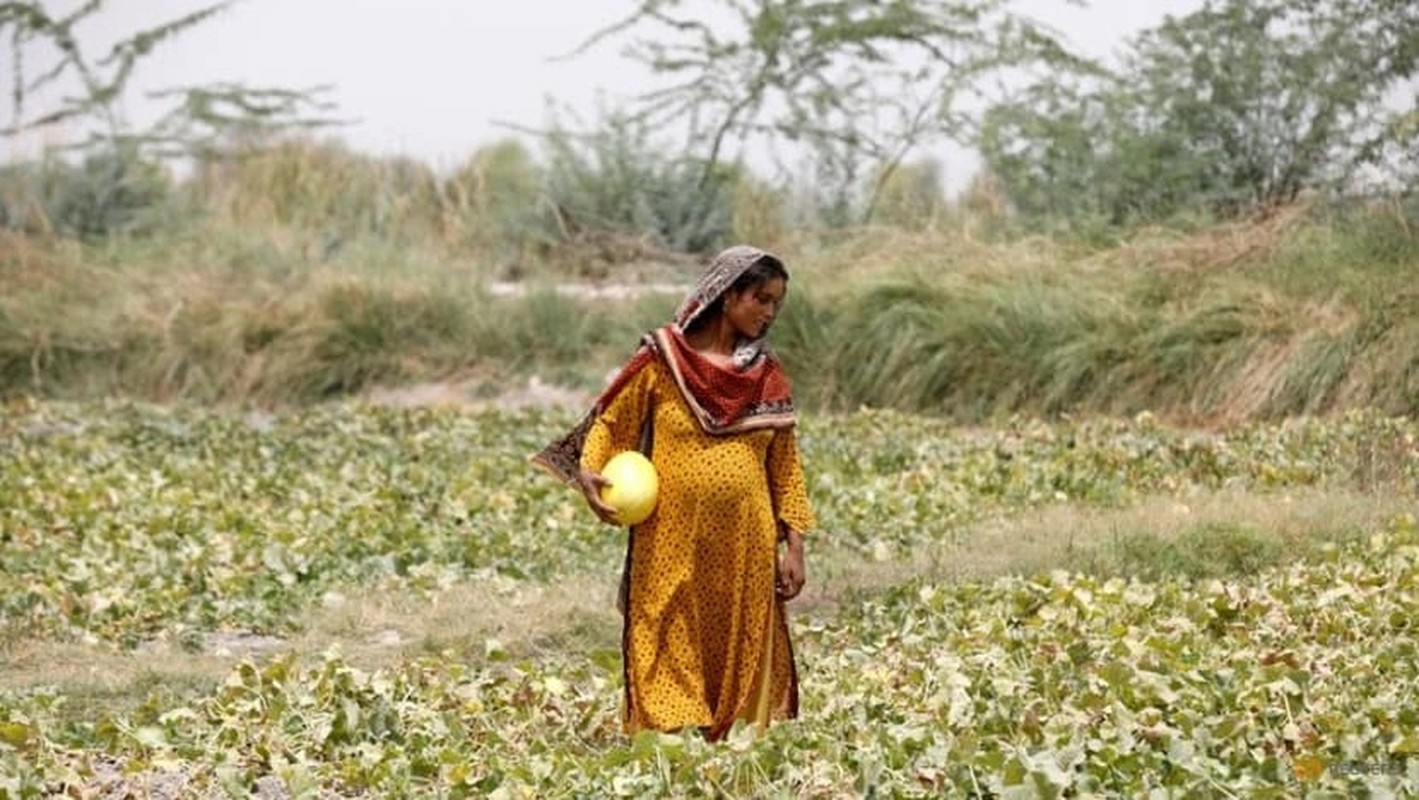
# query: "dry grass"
[[521, 618], [1079, 538], [955, 252], [370, 629], [1218, 247], [1275, 317], [950, 256]]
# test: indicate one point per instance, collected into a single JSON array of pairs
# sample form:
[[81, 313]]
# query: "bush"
[[614, 180], [322, 186], [496, 198], [110, 192]]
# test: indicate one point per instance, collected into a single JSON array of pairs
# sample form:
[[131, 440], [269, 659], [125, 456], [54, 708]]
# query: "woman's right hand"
[[591, 484]]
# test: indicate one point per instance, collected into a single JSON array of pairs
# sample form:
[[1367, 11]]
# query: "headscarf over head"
[[752, 394]]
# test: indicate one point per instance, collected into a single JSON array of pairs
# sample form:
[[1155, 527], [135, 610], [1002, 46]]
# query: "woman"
[[705, 640]]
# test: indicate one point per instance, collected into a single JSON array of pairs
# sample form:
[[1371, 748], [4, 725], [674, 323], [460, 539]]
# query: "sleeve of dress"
[[618, 427], [786, 483]]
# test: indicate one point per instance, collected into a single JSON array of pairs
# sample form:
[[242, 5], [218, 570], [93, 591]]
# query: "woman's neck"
[[714, 339]]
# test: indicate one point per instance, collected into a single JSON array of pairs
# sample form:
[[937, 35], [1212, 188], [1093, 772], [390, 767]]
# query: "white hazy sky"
[[432, 78]]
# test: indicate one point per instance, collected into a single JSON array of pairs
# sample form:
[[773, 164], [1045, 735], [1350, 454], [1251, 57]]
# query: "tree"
[[615, 180], [862, 84], [1389, 31], [1241, 105], [118, 184], [197, 116], [1273, 97], [1047, 146]]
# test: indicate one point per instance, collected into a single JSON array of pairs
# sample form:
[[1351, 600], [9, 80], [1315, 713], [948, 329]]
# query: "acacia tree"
[[196, 117], [118, 184], [861, 83]]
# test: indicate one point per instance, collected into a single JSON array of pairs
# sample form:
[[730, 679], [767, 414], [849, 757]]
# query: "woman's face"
[[753, 310]]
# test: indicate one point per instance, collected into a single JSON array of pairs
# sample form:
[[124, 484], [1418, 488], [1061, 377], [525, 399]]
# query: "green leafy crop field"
[[1089, 608]]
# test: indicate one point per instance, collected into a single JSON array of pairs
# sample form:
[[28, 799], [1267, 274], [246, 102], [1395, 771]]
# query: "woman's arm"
[[792, 568], [787, 487], [789, 494], [616, 429]]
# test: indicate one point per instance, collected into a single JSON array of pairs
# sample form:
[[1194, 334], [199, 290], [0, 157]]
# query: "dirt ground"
[[472, 394]]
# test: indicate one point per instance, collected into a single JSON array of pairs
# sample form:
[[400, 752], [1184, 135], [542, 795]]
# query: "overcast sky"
[[433, 78]]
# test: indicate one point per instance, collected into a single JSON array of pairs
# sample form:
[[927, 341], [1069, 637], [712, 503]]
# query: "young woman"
[[705, 640]]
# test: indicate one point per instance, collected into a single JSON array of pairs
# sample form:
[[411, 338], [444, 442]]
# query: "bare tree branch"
[[201, 115], [814, 70]]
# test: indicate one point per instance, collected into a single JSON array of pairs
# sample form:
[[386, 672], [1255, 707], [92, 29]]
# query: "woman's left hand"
[[791, 571]]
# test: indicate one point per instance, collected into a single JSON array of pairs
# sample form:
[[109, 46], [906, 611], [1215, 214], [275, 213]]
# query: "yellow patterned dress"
[[706, 640]]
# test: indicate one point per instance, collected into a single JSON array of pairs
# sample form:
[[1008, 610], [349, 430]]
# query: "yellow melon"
[[634, 486]]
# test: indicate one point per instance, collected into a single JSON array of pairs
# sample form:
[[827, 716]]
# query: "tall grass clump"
[[323, 188], [971, 351], [1225, 324], [269, 325], [494, 202]]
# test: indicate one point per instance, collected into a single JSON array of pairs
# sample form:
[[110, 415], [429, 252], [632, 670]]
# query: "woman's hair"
[[765, 269]]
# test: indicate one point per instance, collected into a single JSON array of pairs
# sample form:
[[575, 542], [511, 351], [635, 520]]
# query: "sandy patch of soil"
[[473, 395]]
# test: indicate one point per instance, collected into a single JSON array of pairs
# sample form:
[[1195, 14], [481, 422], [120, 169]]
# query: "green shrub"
[[496, 198], [111, 192], [615, 180]]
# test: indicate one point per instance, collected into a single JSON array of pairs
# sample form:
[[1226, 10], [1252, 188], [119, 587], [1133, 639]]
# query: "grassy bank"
[[218, 318], [1302, 313], [1293, 315]]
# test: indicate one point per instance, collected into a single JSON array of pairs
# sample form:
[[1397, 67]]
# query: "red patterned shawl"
[[751, 394]]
